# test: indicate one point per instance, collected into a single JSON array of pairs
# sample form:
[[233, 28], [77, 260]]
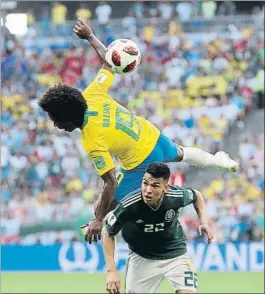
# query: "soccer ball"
[[123, 56]]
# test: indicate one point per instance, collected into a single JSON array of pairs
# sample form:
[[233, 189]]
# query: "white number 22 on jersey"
[[150, 228]]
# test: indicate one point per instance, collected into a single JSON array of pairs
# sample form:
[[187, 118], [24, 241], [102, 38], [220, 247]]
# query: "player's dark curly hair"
[[158, 170], [64, 103]]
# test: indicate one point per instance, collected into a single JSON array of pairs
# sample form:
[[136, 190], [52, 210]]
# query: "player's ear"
[[166, 187]]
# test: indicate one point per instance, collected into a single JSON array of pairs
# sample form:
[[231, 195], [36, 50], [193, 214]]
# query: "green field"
[[95, 283]]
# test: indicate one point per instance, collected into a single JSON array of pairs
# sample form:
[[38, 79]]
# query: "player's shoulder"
[[103, 78], [175, 191], [132, 199]]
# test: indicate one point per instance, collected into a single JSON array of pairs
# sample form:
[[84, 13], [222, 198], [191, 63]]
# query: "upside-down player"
[[110, 129]]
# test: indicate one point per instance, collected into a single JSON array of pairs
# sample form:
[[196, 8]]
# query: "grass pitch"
[[57, 282]]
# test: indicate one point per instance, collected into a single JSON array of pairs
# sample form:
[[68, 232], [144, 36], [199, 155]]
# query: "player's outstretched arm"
[[201, 212], [112, 280], [102, 207], [84, 31], [104, 200]]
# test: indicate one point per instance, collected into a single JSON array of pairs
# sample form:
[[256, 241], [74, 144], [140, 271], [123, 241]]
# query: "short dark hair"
[[64, 103], [158, 170]]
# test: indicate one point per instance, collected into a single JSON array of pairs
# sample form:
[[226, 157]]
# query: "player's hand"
[[113, 282], [82, 30], [93, 233], [206, 229]]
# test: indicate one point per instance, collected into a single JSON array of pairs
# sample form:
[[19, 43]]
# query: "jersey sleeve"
[[189, 196], [114, 220], [102, 161], [101, 83]]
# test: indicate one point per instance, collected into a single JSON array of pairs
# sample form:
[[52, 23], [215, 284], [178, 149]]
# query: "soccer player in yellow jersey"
[[110, 129]]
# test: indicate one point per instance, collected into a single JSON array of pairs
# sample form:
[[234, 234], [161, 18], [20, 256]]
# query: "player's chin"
[[148, 200], [69, 129]]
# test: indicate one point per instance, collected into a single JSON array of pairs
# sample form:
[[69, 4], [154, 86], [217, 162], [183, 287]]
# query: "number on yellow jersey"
[[127, 123]]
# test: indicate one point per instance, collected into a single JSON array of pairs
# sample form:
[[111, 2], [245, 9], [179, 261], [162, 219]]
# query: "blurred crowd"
[[192, 88], [235, 203], [192, 15]]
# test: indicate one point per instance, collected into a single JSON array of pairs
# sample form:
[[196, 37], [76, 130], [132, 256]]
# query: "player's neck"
[[157, 204]]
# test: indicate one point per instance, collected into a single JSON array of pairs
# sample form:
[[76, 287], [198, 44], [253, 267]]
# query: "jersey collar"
[[159, 205], [85, 119], [87, 115]]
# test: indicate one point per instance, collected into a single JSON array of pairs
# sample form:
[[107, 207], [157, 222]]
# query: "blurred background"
[[201, 82]]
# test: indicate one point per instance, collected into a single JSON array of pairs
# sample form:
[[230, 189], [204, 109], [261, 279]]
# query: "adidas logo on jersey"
[[139, 221]]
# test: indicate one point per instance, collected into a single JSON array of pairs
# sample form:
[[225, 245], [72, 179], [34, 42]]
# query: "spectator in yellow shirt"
[[253, 192], [30, 17], [148, 34], [204, 122], [174, 29], [89, 194], [59, 13], [222, 123], [83, 13], [218, 184], [74, 184]]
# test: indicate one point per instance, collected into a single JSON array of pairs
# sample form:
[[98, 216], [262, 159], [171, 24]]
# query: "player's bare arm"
[[103, 202], [102, 206], [113, 280], [201, 212], [84, 31]]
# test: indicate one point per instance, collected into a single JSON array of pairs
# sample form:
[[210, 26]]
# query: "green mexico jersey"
[[152, 233]]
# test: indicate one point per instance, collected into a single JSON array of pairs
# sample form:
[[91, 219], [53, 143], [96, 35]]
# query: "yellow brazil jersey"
[[110, 129]]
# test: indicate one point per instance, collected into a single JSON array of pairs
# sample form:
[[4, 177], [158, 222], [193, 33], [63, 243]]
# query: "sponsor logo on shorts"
[[170, 215]]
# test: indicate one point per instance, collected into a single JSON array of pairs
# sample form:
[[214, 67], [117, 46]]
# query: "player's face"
[[62, 125], [153, 189], [67, 126]]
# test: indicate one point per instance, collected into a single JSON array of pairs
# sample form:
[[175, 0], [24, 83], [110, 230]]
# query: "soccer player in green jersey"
[[148, 218]]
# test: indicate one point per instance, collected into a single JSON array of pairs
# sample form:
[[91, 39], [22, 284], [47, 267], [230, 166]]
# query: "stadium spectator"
[[254, 233], [138, 8], [59, 17], [84, 13], [227, 8], [165, 10], [59, 13], [129, 24], [103, 13], [209, 9], [184, 10]]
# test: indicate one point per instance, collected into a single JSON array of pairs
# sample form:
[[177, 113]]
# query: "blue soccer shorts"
[[129, 180]]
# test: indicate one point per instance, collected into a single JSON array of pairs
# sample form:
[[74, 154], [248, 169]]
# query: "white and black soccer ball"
[[123, 56]]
